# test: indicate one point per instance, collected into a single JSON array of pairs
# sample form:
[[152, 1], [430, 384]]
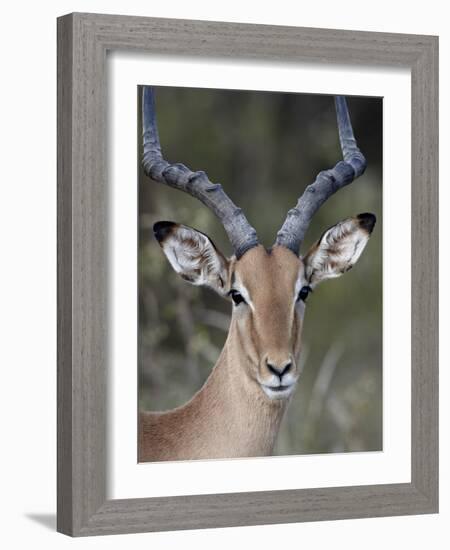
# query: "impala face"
[[268, 290], [268, 308]]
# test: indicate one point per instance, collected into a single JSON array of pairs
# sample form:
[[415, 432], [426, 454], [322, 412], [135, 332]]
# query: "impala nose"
[[279, 370]]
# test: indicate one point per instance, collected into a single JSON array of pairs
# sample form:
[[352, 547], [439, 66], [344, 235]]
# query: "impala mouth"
[[278, 392], [278, 388]]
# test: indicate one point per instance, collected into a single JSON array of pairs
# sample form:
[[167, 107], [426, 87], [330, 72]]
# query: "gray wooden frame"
[[83, 41]]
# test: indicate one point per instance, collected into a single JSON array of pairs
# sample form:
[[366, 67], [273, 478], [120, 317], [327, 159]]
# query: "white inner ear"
[[193, 256], [338, 250]]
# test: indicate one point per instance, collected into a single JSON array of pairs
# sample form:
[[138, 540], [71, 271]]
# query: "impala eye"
[[237, 297], [303, 294]]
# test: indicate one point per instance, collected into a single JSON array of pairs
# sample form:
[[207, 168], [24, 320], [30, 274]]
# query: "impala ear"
[[193, 255], [338, 249]]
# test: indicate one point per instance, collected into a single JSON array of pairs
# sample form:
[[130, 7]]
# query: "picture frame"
[[83, 41]]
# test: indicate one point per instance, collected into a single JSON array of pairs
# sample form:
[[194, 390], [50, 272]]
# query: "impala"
[[237, 412]]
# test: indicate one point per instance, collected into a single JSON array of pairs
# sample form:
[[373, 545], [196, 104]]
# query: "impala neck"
[[240, 419]]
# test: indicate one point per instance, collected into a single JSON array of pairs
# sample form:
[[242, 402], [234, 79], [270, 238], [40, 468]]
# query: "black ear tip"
[[367, 221], [162, 230]]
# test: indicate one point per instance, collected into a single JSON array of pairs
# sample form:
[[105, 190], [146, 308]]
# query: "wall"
[[28, 305]]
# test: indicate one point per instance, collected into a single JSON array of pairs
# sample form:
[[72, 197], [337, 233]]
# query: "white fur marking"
[[242, 290]]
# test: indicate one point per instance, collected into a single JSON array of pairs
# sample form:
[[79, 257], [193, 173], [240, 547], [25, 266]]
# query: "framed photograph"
[[247, 274]]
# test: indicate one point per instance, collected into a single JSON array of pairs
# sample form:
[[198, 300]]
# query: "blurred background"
[[265, 148]]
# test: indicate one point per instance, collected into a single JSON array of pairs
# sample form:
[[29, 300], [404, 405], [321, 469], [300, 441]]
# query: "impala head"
[[267, 287]]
